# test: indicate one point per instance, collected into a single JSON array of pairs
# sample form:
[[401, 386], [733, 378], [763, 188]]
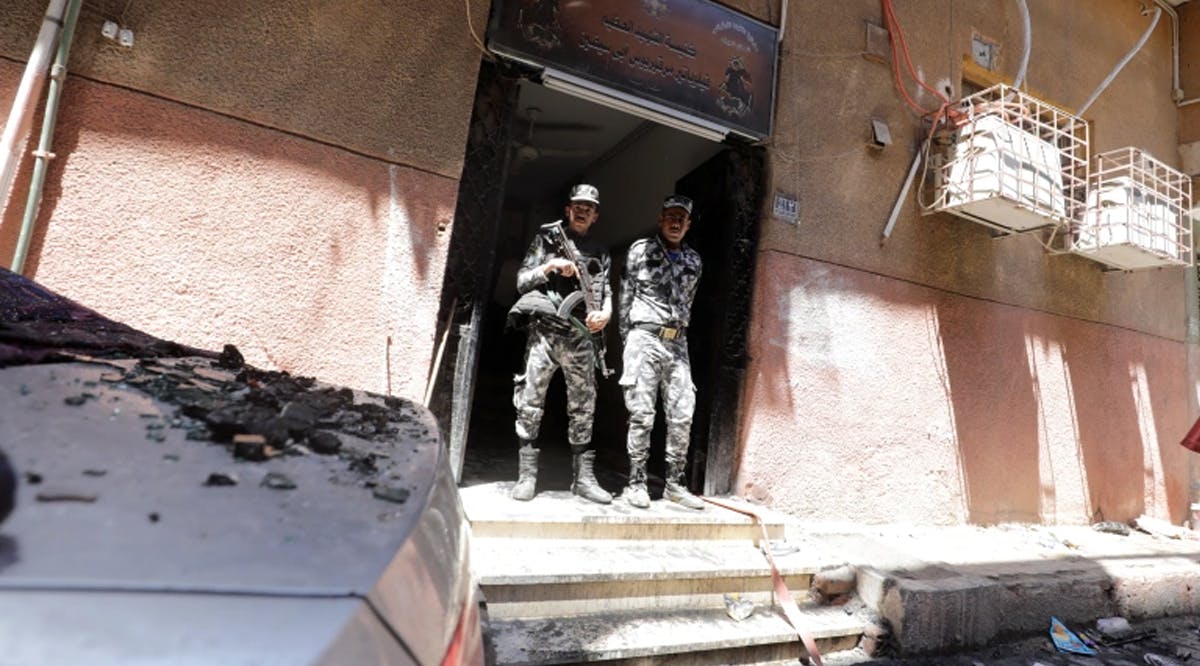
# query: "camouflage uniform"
[[555, 343], [656, 294]]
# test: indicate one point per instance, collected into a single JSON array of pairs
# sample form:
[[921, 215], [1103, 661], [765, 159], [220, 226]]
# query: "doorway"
[[554, 141]]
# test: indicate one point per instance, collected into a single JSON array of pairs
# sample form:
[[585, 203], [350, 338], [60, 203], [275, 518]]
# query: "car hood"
[[113, 493]]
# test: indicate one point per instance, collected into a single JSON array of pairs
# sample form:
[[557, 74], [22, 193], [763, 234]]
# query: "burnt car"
[[175, 505]]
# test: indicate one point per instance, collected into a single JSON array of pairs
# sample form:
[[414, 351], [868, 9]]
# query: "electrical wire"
[[782, 21], [899, 79], [926, 151], [899, 43], [900, 47], [945, 113], [475, 36]]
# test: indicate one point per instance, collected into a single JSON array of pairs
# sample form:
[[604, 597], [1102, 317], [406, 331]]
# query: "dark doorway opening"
[[553, 142], [728, 191]]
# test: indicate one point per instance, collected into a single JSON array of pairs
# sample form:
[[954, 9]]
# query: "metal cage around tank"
[[1008, 160], [1138, 213]]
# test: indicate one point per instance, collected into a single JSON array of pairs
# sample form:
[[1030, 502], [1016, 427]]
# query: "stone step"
[[681, 637], [526, 578], [561, 515]]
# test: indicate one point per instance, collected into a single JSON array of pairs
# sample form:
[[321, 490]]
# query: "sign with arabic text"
[[695, 56]]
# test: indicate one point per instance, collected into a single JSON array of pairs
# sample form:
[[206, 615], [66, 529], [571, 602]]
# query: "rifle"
[[559, 237]]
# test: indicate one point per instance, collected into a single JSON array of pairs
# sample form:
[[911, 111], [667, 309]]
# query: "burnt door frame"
[[728, 191], [466, 286]]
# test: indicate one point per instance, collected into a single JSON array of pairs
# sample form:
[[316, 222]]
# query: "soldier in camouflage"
[[556, 342], [657, 289]]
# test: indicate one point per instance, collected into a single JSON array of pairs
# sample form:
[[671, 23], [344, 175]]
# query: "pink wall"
[[208, 230], [876, 400]]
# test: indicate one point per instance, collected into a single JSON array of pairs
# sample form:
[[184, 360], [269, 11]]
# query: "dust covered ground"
[[1165, 642]]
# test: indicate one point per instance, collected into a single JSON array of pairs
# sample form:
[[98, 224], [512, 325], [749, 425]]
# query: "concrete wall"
[[947, 376], [898, 402], [278, 176]]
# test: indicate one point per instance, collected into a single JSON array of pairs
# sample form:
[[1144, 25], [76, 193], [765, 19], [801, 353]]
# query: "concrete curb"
[[947, 589]]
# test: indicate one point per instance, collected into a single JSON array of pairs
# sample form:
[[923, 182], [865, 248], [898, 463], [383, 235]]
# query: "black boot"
[[676, 491], [585, 484], [526, 486]]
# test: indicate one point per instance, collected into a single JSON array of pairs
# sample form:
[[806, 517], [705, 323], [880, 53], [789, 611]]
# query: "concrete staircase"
[[568, 581]]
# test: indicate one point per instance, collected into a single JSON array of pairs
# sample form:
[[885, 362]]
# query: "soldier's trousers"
[[653, 365], [546, 352]]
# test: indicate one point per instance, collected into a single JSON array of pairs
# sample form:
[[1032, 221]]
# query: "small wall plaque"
[[787, 208]]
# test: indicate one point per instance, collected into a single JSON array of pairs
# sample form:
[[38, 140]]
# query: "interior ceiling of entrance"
[[560, 140], [556, 136]]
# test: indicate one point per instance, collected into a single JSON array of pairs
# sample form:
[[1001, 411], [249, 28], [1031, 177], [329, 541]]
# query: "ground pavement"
[[949, 590], [1167, 642]]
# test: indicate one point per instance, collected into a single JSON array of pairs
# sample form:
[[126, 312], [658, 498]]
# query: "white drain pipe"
[[1176, 91], [28, 92]]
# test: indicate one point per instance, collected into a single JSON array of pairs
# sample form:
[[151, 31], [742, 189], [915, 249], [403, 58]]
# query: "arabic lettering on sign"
[[652, 65], [654, 37], [589, 43]]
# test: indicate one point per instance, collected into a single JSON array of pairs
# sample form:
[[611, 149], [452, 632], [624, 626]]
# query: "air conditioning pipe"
[[58, 74], [1176, 91], [1121, 65], [28, 91]]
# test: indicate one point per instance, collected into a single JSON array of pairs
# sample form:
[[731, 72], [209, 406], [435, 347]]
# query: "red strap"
[[782, 595]]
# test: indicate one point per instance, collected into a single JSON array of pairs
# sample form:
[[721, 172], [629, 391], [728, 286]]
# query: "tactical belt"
[[664, 332]]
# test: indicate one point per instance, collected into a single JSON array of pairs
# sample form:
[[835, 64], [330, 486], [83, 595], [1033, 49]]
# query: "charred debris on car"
[[259, 414], [255, 414]]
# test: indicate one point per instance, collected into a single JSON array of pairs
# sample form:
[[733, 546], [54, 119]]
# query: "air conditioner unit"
[[1010, 162], [1138, 213]]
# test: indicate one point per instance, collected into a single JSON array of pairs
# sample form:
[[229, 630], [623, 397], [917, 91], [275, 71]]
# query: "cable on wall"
[[474, 35]]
